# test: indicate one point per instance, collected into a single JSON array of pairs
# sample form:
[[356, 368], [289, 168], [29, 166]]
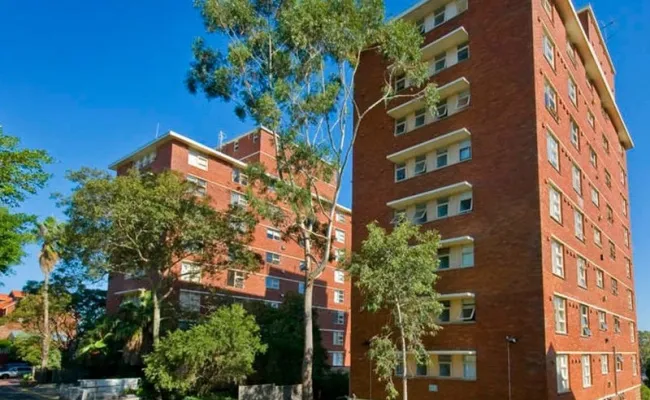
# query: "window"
[[440, 62], [465, 152], [612, 250], [602, 320], [555, 203], [420, 117], [272, 283], [626, 237], [340, 217], [439, 16], [604, 364], [595, 197], [189, 301], [578, 228], [443, 258], [609, 214], [628, 268], [582, 272], [548, 7], [442, 110], [467, 256], [549, 50], [468, 312], [197, 160], [421, 370], [400, 83], [619, 363], [200, 186], [614, 287], [586, 371], [605, 144], [444, 365], [339, 254], [576, 178], [442, 207], [461, 6], [553, 151], [623, 177], [462, 52], [190, 272], [632, 333], [617, 324], [573, 92], [598, 237], [608, 179], [635, 366], [400, 172], [337, 358], [420, 165], [625, 206], [398, 217], [339, 318], [239, 177], [593, 157], [339, 276], [236, 279], [420, 216], [235, 145], [600, 278], [562, 365], [560, 314], [340, 236], [463, 99], [400, 126], [238, 199], [337, 338], [273, 234], [442, 158], [465, 205], [256, 137], [584, 320], [469, 367], [575, 134], [339, 296], [272, 258], [630, 300], [445, 314], [145, 160], [301, 287], [421, 26], [571, 50], [557, 254], [591, 119]]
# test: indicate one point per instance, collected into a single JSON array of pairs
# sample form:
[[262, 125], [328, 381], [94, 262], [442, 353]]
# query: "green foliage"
[[146, 224], [644, 349], [21, 170], [219, 351], [645, 392], [14, 235], [28, 348], [395, 272], [282, 330]]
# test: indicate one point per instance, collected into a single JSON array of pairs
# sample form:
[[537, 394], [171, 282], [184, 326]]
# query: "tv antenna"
[[157, 129], [605, 28], [222, 137]]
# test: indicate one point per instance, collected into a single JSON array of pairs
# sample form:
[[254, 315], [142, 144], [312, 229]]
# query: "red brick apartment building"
[[523, 172], [9, 302], [219, 174]]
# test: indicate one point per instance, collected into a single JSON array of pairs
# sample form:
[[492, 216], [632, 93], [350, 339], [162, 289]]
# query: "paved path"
[[10, 390]]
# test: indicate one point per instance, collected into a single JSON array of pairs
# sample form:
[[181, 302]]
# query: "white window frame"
[[338, 338], [598, 237], [619, 362], [602, 320], [467, 256], [553, 150], [585, 331], [469, 367], [604, 364], [442, 158], [463, 198], [559, 306], [198, 160], [273, 259], [239, 177], [442, 109], [464, 99], [340, 318], [400, 126], [635, 366], [549, 49], [562, 373], [582, 272], [189, 301], [462, 48], [420, 165], [190, 272], [574, 134], [600, 278], [339, 276], [273, 234], [301, 287], [339, 296], [437, 13], [439, 62], [573, 91], [579, 224], [338, 358], [550, 97], [557, 257], [340, 235], [238, 279], [420, 117], [467, 147], [555, 203], [420, 216], [595, 196], [467, 310], [238, 199], [399, 170], [630, 300], [201, 188], [576, 179], [340, 217], [271, 282], [632, 332], [443, 201], [400, 83], [586, 371]]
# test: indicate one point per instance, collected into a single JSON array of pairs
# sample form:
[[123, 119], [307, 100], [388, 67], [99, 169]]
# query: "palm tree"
[[48, 237]]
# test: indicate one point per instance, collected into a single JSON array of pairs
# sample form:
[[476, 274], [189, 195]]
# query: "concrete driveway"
[[10, 390]]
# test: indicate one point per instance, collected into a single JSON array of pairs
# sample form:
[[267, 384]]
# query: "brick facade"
[[172, 152], [511, 275]]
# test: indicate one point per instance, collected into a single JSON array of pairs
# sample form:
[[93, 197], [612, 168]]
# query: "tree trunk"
[[156, 317], [308, 359], [45, 344], [405, 394]]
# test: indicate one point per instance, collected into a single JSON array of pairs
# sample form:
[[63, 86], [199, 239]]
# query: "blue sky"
[[90, 81]]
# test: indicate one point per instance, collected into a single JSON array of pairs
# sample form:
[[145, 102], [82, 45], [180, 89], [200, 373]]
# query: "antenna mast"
[[222, 137]]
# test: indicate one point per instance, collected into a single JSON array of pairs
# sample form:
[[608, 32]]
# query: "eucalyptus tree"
[[291, 66]]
